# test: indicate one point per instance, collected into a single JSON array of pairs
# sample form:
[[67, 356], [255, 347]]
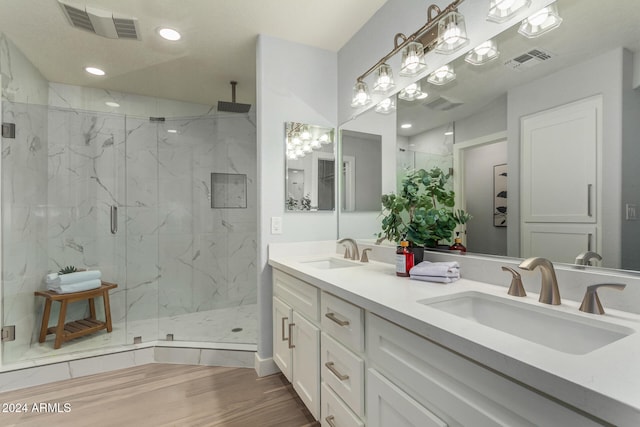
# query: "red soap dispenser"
[[404, 259]]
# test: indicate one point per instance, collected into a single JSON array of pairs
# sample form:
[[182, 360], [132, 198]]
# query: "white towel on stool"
[[75, 287]]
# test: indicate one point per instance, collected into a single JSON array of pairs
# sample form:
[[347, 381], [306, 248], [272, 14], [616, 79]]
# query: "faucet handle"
[[364, 257], [516, 289], [591, 301], [347, 252]]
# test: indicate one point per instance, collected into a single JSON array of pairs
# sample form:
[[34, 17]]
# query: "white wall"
[[567, 85], [294, 83], [490, 119], [21, 81]]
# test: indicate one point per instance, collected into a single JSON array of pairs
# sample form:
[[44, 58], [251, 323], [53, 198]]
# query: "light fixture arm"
[[431, 24]]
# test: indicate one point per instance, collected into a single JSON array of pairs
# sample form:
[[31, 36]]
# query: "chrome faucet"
[[585, 258], [549, 293], [355, 253]]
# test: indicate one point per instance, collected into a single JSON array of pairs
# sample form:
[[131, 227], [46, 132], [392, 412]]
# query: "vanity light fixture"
[[384, 80], [95, 71], [291, 155], [315, 144], [443, 31], [452, 33], [361, 96], [324, 139], [112, 104], [541, 22], [483, 53], [305, 135], [306, 148], [412, 59], [169, 34], [412, 92], [442, 75], [386, 106], [503, 10]]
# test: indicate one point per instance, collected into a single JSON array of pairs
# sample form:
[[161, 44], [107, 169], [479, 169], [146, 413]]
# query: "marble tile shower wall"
[[24, 221]]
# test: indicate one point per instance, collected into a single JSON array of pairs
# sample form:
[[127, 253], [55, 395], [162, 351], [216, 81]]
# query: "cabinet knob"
[[591, 301]]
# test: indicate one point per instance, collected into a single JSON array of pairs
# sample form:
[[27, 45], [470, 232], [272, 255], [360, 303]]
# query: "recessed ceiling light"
[[172, 131], [447, 133], [112, 104], [169, 34], [405, 125], [95, 71]]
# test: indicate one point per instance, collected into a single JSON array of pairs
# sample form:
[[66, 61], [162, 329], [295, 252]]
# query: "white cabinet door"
[[388, 406], [306, 362], [559, 163], [558, 242], [282, 355]]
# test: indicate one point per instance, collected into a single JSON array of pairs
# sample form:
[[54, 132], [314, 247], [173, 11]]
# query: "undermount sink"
[[330, 263], [565, 332]]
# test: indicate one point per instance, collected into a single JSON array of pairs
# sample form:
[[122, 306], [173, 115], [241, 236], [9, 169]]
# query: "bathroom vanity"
[[365, 347]]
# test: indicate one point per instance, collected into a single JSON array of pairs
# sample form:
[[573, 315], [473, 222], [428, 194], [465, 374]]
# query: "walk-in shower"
[[185, 267]]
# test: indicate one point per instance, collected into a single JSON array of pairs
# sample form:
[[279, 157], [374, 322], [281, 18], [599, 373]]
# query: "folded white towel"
[[77, 277], [442, 269], [75, 287], [435, 279]]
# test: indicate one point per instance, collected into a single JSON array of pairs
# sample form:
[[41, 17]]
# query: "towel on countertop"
[[55, 279], [75, 287], [438, 272]]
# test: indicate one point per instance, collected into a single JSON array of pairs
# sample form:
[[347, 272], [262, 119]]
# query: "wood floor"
[[159, 395]]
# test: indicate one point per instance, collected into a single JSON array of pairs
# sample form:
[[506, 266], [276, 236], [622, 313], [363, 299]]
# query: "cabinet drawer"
[[388, 406], [343, 371], [335, 413], [343, 321], [302, 297], [457, 390]]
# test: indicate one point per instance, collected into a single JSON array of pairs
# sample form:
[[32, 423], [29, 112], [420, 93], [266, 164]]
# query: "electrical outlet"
[[276, 225], [631, 212]]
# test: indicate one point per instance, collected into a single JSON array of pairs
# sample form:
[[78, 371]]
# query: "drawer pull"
[[334, 371], [291, 325], [333, 317], [329, 421], [283, 320]]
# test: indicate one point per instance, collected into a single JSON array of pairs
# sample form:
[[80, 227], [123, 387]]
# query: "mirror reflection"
[[361, 171], [570, 189], [310, 168]]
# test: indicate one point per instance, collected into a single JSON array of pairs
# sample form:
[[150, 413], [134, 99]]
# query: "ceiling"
[[589, 28], [217, 46]]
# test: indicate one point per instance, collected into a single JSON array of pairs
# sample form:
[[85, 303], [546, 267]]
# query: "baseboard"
[[265, 367]]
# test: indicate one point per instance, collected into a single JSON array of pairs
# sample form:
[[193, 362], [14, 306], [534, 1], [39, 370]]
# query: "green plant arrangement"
[[423, 211], [68, 269]]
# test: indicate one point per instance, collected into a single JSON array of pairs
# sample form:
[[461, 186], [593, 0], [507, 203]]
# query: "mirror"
[[485, 104], [310, 168], [361, 184]]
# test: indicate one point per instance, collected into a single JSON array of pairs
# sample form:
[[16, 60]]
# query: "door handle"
[[291, 345], [114, 219], [283, 320]]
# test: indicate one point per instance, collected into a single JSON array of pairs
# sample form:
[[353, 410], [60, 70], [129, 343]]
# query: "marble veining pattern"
[[173, 255]]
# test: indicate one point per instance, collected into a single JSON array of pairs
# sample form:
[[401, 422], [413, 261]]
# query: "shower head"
[[233, 106]]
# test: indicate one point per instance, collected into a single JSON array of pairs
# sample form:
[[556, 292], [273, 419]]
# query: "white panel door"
[[282, 354], [559, 163], [305, 337], [558, 242]]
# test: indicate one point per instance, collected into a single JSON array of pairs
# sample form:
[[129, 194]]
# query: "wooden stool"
[[78, 328]]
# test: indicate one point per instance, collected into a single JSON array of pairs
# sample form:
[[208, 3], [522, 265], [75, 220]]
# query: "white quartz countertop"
[[604, 382]]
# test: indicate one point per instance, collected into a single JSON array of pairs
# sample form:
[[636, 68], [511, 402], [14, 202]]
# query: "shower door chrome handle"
[[114, 219]]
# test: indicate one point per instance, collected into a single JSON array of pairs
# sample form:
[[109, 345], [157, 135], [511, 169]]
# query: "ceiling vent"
[[100, 22], [442, 104], [529, 59]]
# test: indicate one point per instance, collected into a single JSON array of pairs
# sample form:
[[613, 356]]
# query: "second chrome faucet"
[[549, 292]]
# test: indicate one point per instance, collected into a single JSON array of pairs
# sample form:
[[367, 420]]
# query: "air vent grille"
[[126, 28], [442, 104], [100, 22], [78, 17], [529, 59]]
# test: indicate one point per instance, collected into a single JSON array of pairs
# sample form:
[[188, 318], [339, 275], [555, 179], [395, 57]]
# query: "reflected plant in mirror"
[[310, 168], [422, 212]]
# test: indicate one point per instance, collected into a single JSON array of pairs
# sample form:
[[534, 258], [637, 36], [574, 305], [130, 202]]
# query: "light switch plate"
[[276, 225], [631, 212]]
